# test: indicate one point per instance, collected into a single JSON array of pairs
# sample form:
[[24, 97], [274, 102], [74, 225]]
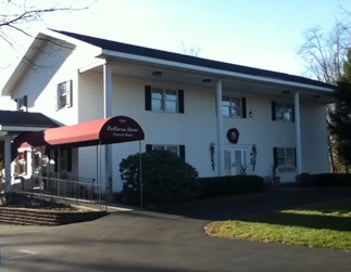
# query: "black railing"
[[83, 191]]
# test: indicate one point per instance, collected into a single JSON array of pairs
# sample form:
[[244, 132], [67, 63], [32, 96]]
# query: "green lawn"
[[325, 224]]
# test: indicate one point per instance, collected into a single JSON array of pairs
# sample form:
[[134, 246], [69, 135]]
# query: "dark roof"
[[25, 119], [144, 51]]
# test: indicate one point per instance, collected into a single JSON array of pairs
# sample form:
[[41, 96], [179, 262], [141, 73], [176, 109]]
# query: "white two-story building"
[[224, 119]]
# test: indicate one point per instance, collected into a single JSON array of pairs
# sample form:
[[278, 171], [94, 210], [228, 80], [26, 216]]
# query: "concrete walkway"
[[169, 240]]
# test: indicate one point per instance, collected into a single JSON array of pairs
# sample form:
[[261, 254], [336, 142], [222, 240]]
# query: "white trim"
[[220, 157], [91, 66], [298, 133], [14, 128], [107, 90], [215, 72], [8, 160]]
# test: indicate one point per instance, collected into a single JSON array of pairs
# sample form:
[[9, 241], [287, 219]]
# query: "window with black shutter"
[[164, 100], [233, 107], [283, 111]]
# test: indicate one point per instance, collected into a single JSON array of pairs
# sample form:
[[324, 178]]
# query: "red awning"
[[116, 129]]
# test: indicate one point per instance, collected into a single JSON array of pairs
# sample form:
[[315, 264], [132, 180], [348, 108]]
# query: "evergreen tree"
[[340, 118]]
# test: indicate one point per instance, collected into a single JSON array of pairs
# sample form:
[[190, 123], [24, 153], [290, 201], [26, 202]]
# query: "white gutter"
[[216, 72], [19, 129]]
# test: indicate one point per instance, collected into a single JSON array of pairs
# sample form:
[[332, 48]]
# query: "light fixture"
[[250, 114], [316, 96], [206, 80], [156, 73], [286, 92]]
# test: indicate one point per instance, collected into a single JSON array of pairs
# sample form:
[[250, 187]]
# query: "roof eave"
[[26, 60], [218, 73]]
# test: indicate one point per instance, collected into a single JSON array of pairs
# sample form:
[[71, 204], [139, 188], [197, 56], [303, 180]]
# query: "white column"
[[298, 132], [108, 102], [8, 160], [220, 156], [107, 90]]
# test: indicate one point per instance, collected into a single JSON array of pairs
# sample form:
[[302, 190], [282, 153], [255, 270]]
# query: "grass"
[[326, 224]]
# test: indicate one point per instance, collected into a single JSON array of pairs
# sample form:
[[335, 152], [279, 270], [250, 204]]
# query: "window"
[[63, 160], [176, 149], [64, 94], [164, 100], [284, 158], [21, 164], [233, 107], [283, 111]]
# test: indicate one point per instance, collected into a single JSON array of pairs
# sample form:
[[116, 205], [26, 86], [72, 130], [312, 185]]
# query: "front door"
[[235, 161]]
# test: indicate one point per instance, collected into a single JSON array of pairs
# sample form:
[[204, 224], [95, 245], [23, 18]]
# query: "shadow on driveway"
[[236, 206]]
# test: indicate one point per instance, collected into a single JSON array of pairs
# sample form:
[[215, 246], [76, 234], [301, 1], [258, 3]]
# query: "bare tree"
[[191, 51], [324, 54], [17, 15]]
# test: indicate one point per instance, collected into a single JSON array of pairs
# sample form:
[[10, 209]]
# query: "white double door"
[[236, 160]]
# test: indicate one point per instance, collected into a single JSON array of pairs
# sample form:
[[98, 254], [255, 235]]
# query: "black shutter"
[[243, 107], [275, 157], [182, 151], [181, 101], [148, 148], [148, 98], [25, 101], [273, 110], [56, 158], [69, 159], [295, 160]]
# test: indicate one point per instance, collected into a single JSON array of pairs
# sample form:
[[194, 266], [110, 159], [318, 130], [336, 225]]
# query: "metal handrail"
[[87, 192]]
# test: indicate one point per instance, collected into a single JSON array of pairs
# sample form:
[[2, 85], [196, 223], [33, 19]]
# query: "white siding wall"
[[314, 138], [196, 128], [40, 81]]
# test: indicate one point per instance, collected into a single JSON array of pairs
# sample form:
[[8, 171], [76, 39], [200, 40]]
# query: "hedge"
[[323, 180], [227, 185]]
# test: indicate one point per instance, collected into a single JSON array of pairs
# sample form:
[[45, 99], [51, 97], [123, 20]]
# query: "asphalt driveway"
[[168, 240]]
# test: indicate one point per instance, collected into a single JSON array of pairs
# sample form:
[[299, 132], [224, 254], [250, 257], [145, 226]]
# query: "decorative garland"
[[253, 155], [212, 151]]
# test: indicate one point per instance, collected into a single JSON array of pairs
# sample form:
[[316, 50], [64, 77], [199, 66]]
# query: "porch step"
[[25, 216]]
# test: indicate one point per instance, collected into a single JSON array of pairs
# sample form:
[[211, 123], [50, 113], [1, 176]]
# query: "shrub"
[[217, 186], [323, 180], [166, 178]]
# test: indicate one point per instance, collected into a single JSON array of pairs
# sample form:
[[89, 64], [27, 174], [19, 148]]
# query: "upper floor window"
[[233, 106], [164, 100], [64, 94], [283, 111]]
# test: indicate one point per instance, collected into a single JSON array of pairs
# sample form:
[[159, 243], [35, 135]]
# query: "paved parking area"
[[171, 240]]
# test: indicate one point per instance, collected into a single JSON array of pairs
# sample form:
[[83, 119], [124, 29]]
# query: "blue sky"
[[259, 33]]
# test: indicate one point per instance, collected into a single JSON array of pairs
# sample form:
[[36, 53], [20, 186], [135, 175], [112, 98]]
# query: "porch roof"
[[19, 121], [102, 131]]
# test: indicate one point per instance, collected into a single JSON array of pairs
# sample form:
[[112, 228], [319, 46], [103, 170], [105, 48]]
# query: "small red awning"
[[116, 129]]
